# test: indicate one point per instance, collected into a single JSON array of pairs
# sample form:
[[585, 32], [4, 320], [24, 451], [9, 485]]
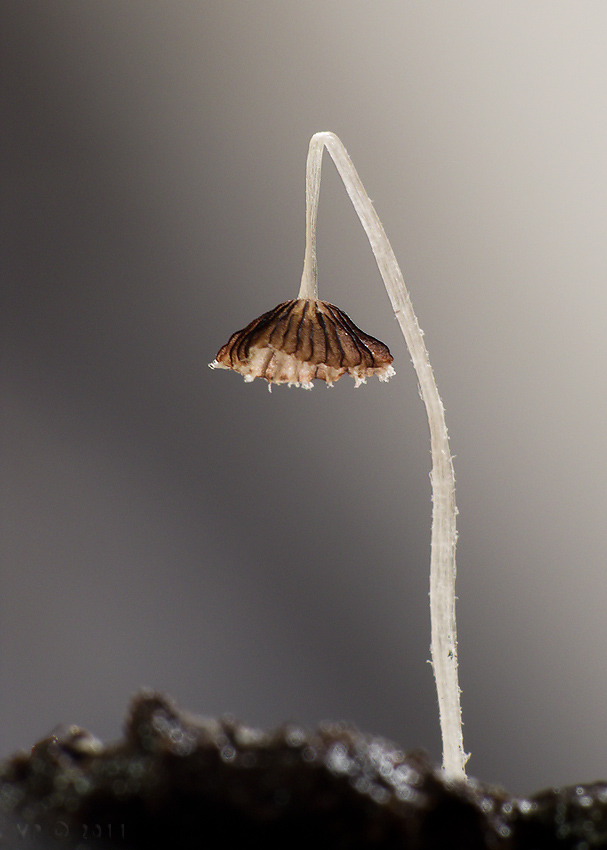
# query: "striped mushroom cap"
[[301, 340]]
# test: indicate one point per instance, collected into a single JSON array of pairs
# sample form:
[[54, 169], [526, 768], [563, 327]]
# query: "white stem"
[[309, 278], [442, 561]]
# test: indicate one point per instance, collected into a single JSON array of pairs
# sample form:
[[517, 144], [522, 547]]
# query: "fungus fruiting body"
[[305, 339], [301, 340]]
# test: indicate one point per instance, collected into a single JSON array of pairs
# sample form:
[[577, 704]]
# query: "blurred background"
[[267, 554]]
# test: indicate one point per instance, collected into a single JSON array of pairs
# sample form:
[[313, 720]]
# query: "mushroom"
[[301, 340], [305, 339]]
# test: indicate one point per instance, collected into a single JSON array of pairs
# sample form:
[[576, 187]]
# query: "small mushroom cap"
[[301, 340]]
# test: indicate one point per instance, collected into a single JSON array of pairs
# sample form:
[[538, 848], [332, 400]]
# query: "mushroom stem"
[[444, 511]]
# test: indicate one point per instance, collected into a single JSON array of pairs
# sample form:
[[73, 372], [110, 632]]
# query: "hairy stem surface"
[[442, 563]]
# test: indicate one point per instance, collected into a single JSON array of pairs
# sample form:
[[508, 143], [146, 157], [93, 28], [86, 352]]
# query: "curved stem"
[[442, 562]]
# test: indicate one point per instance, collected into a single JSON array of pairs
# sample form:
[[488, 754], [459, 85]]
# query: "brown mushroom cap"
[[301, 340]]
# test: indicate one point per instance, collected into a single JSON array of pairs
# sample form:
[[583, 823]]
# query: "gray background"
[[267, 555]]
